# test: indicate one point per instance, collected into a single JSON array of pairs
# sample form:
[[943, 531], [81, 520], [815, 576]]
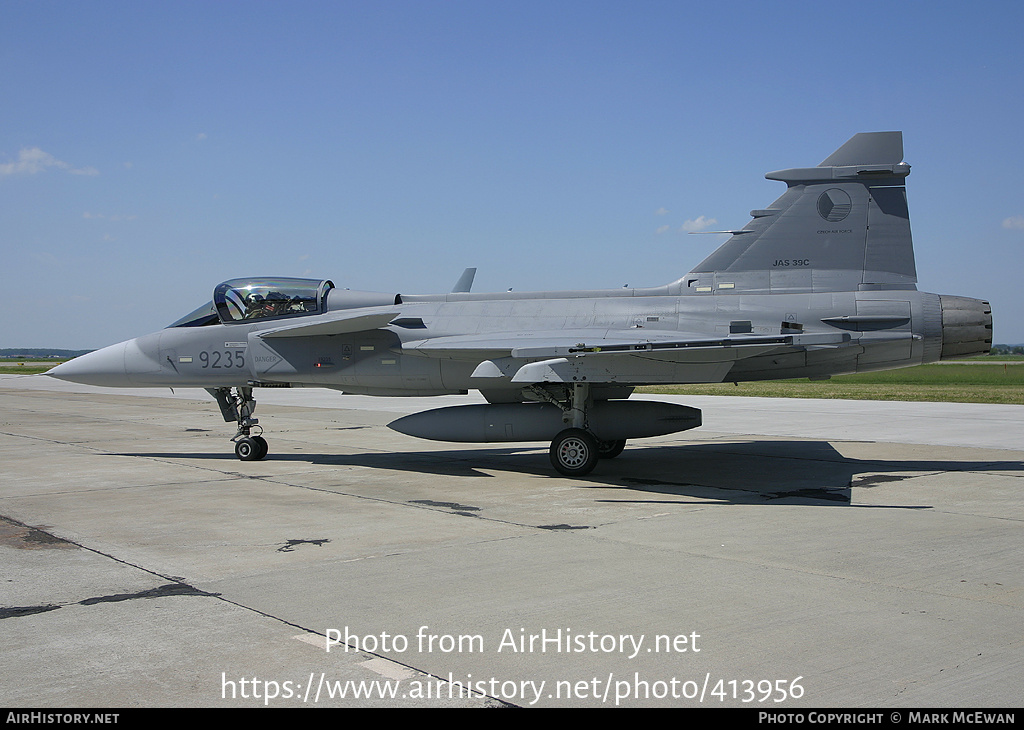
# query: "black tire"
[[247, 449], [610, 449], [262, 443], [573, 452]]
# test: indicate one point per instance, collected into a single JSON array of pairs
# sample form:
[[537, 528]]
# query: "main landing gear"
[[238, 406], [575, 451]]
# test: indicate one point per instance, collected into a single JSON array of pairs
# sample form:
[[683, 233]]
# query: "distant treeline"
[[1008, 349], [39, 352]]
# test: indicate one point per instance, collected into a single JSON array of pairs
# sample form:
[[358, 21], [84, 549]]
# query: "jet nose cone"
[[103, 367]]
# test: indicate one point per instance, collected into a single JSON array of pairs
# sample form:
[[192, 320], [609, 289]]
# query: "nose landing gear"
[[238, 406]]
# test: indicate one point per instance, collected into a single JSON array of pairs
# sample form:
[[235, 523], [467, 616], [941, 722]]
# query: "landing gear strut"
[[238, 406]]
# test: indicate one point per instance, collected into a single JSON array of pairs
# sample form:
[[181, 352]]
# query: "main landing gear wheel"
[[610, 449], [574, 452], [251, 448]]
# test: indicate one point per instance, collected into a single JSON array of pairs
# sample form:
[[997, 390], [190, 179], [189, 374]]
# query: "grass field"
[[989, 382], [995, 358], [983, 381], [27, 366]]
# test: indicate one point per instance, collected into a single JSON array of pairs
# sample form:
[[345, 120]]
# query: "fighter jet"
[[819, 283]]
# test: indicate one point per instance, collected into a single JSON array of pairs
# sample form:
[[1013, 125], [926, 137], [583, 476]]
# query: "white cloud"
[[46, 258], [32, 160], [698, 224], [661, 211], [1014, 222], [102, 216], [662, 229]]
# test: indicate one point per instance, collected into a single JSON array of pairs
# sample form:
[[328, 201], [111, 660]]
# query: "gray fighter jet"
[[819, 283]]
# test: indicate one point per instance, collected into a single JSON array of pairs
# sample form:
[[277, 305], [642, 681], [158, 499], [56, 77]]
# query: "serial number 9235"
[[220, 360]]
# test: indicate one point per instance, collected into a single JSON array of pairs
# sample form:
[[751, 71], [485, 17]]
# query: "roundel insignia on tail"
[[834, 205]]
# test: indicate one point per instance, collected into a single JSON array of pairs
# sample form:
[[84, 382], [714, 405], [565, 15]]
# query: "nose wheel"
[[251, 448]]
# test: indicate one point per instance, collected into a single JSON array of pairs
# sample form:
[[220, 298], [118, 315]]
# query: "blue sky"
[[150, 150]]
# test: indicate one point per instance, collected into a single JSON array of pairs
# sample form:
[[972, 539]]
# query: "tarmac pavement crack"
[[290, 545], [175, 586]]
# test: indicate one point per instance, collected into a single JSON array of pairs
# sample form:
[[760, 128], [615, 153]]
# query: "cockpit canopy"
[[271, 297]]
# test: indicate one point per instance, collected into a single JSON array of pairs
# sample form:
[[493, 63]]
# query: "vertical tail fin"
[[840, 226], [465, 282]]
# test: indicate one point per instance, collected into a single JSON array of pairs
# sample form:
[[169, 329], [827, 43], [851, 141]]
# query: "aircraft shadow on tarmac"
[[729, 472]]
